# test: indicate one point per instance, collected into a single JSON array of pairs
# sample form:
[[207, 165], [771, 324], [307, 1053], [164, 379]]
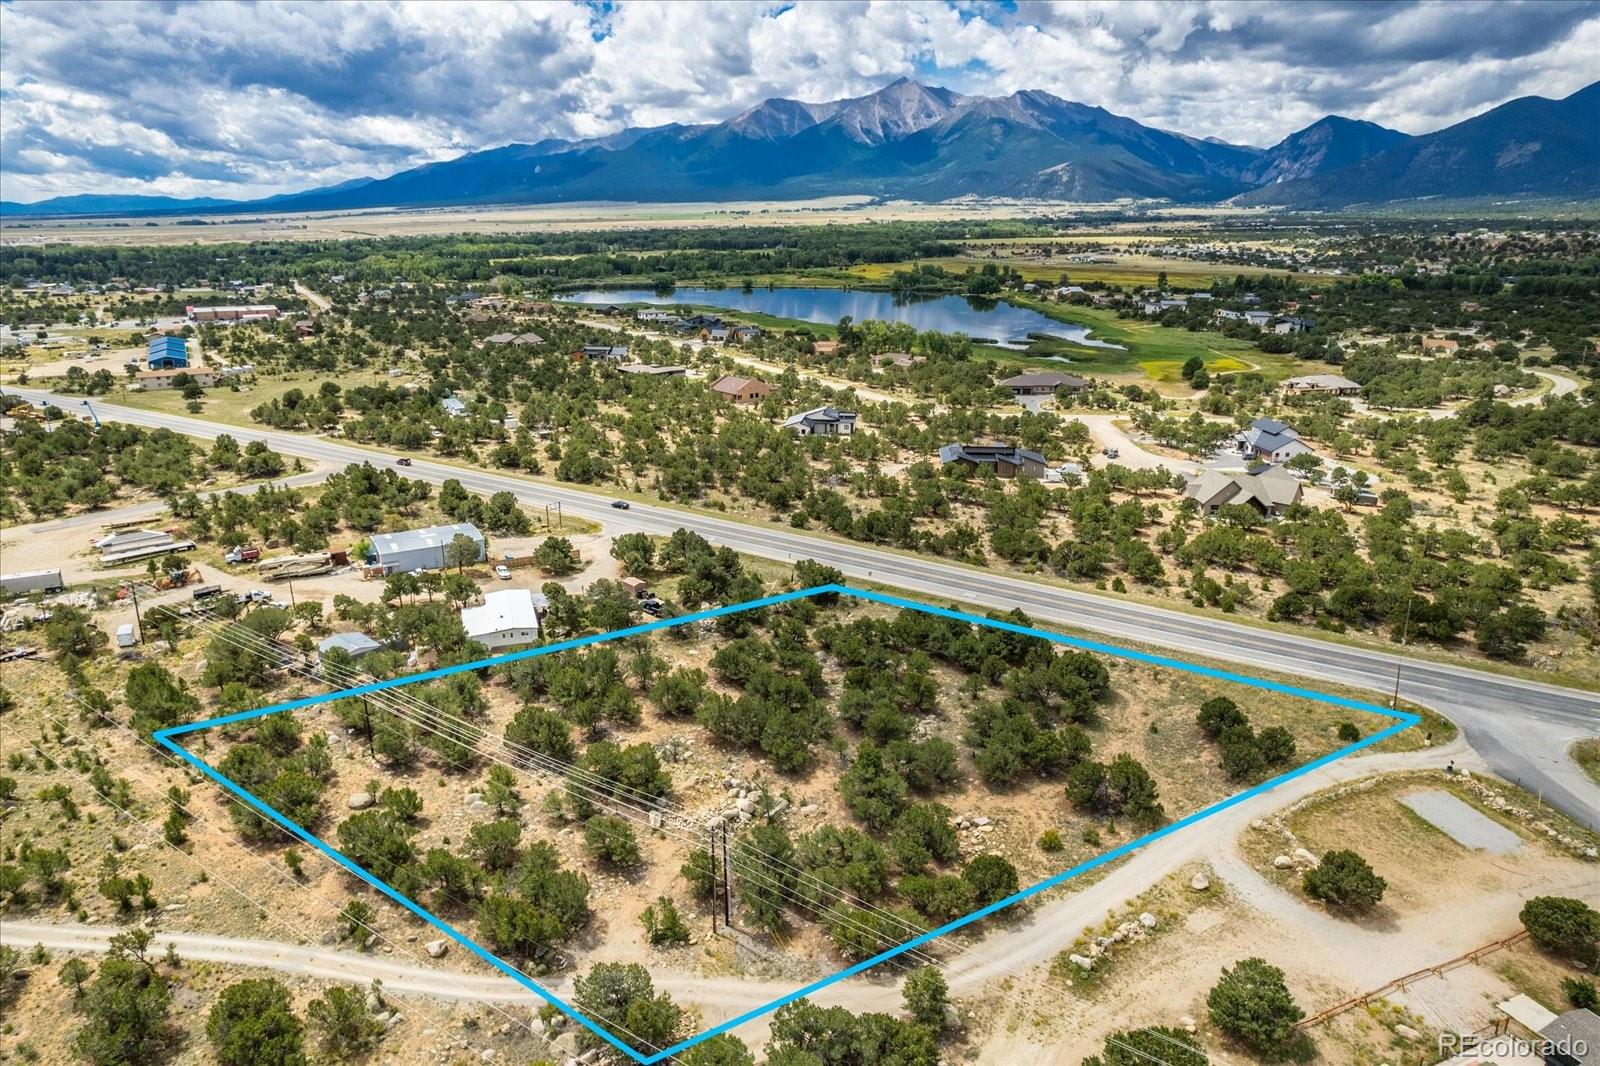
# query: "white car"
[[503, 573]]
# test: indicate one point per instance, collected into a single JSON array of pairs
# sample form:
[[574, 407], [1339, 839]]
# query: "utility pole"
[[727, 881], [138, 621], [1405, 630], [711, 841], [291, 593]]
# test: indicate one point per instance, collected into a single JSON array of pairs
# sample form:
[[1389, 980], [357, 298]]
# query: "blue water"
[[994, 320]]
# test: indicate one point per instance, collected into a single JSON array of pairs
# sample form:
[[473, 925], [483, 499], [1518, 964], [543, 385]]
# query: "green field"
[[1136, 270]]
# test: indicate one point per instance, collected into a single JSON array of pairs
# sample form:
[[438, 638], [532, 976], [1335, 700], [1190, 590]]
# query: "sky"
[[241, 100]]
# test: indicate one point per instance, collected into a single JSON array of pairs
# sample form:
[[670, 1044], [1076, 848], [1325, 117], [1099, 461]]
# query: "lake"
[[990, 319]]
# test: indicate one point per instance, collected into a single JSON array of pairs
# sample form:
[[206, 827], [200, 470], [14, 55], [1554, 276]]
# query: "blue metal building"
[[167, 353]]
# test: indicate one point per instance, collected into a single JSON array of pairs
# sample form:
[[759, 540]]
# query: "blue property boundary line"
[[1402, 721]]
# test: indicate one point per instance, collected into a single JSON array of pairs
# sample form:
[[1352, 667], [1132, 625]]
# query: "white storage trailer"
[[31, 581]]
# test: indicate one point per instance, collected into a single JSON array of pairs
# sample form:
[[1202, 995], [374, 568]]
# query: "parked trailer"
[[290, 566], [31, 581], [135, 554]]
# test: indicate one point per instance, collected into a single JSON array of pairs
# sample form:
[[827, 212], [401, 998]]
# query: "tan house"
[[1324, 384], [1439, 344], [741, 389], [825, 347], [1047, 383], [156, 380], [1269, 489]]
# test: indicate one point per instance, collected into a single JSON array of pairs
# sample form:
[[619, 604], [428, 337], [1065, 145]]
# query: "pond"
[[993, 320]]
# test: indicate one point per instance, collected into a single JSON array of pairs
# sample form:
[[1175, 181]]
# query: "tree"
[[125, 1013], [926, 997], [72, 636], [724, 1049], [74, 972], [556, 556], [1139, 1047], [495, 843], [462, 552], [1252, 1004], [622, 995], [1344, 879], [158, 699], [636, 552], [252, 1024], [1563, 926], [345, 1028], [992, 879], [610, 840]]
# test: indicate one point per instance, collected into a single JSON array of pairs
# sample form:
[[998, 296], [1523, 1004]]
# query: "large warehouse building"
[[167, 353], [423, 549]]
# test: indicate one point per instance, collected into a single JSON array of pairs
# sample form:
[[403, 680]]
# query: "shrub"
[[1252, 1004], [1344, 879], [1563, 926], [663, 924], [610, 840], [1050, 840]]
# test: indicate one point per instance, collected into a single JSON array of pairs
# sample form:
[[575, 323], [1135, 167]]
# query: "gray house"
[[1045, 383], [1271, 440], [1008, 460], [822, 422], [354, 645], [423, 549]]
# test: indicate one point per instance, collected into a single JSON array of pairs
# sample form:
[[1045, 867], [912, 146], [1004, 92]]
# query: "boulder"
[[1302, 857], [1282, 862], [1405, 1032], [360, 801], [437, 948], [1082, 962], [1200, 882], [1147, 920], [1188, 1024]]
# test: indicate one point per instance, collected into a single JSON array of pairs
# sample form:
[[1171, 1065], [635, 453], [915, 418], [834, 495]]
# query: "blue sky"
[[242, 100]]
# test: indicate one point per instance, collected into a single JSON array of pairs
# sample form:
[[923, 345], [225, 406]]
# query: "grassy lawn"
[[1154, 351], [232, 406], [1127, 270]]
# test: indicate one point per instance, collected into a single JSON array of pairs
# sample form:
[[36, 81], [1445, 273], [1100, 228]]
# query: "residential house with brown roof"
[[741, 389]]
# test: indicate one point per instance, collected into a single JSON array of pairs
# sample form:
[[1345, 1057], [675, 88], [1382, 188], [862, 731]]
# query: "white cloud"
[[222, 98]]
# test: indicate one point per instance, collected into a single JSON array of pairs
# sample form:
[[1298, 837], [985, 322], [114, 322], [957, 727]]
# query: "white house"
[[507, 618]]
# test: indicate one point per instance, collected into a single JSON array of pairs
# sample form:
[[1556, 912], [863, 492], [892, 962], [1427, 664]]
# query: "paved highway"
[[1521, 728]]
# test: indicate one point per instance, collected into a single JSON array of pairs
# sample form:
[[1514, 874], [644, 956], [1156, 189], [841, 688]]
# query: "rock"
[[1302, 857], [437, 948], [985, 829], [382, 1017], [952, 1018], [1082, 962], [745, 805], [1200, 882], [394, 1020], [1282, 862], [980, 821], [360, 801], [474, 797], [1405, 1032], [487, 1055], [1188, 1024], [1147, 920]]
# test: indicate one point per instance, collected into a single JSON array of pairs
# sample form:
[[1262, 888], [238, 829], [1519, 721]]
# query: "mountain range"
[[912, 141]]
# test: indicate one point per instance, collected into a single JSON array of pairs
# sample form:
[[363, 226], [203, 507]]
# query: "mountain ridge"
[[909, 140]]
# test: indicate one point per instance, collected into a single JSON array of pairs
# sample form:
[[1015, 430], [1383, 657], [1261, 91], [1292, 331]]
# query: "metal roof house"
[[822, 422], [453, 407], [423, 549], [167, 353], [1008, 460], [506, 618], [1269, 439], [1330, 384], [354, 645]]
